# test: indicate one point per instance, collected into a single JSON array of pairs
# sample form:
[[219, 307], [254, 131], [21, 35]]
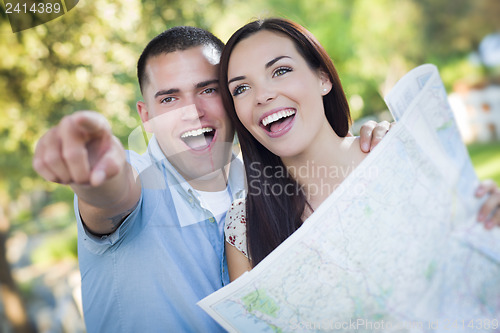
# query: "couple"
[[151, 240]]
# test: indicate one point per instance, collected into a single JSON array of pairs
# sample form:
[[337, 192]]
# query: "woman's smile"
[[278, 121]]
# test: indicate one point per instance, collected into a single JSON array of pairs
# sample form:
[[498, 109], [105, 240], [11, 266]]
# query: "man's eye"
[[240, 89], [209, 91], [167, 100], [281, 70]]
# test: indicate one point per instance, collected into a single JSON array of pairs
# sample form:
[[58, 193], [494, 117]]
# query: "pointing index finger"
[[76, 132], [91, 123]]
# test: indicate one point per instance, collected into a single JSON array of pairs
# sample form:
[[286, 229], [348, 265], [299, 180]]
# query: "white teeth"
[[197, 132], [278, 115]]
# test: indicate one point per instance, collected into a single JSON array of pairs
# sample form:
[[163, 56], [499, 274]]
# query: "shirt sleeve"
[[99, 245], [236, 227]]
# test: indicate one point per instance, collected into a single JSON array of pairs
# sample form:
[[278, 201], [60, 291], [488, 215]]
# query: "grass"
[[486, 160]]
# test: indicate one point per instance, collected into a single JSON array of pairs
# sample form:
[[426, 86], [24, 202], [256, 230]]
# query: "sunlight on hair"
[[211, 53]]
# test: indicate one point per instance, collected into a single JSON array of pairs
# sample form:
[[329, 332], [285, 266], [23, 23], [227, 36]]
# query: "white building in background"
[[477, 113]]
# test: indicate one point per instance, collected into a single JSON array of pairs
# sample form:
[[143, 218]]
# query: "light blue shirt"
[[166, 256]]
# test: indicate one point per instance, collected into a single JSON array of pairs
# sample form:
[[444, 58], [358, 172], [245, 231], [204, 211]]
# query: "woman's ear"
[[325, 83]]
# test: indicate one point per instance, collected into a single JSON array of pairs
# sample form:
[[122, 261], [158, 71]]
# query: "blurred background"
[[86, 59]]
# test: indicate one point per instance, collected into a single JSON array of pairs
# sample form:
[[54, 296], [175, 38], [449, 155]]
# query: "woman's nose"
[[264, 94]]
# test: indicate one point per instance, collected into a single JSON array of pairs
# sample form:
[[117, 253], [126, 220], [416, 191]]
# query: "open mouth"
[[278, 121], [198, 139]]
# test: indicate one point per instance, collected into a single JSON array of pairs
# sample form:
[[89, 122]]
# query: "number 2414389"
[[35, 8]]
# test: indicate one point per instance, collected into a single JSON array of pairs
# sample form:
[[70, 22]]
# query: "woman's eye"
[[240, 89], [281, 70], [167, 100]]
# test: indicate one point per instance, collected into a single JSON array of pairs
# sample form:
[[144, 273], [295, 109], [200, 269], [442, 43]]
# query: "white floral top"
[[236, 226]]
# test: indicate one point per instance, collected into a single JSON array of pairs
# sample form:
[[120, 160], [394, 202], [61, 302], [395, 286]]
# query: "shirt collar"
[[236, 177]]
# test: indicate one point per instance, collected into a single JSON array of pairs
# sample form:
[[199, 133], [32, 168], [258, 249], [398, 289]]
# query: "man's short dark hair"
[[178, 38]]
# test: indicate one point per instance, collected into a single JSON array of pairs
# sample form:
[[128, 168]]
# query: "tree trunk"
[[14, 307]]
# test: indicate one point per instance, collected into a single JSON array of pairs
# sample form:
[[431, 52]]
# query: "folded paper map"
[[395, 248]]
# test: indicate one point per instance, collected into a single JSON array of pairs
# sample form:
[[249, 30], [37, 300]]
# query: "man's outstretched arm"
[[82, 152]]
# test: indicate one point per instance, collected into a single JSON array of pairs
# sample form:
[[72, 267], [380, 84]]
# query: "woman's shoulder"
[[353, 152]]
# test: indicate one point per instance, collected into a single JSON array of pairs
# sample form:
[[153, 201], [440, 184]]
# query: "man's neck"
[[213, 182]]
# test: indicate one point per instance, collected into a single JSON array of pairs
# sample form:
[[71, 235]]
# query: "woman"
[[285, 98]]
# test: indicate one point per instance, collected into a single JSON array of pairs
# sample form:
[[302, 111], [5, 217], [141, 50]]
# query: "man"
[[150, 229]]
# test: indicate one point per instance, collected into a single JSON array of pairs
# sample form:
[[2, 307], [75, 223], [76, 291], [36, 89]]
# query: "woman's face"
[[277, 96]]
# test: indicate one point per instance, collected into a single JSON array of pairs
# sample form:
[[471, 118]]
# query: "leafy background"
[[86, 59]]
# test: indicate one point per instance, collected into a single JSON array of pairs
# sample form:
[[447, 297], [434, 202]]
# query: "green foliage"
[[486, 160], [60, 246], [52, 216]]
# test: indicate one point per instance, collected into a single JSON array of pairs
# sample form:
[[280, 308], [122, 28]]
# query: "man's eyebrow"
[[206, 83], [272, 62], [167, 92]]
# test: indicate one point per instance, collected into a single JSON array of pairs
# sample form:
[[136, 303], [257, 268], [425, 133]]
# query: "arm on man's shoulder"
[[371, 133]]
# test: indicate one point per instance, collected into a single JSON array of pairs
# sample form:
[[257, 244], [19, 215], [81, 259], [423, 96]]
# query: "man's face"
[[183, 108]]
